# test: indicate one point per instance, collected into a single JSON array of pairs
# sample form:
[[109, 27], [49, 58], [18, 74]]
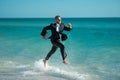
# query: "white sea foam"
[[25, 73], [11, 64], [50, 71], [57, 72]]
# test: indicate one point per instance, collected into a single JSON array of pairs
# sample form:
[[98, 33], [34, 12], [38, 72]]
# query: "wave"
[[11, 64], [38, 71], [54, 72]]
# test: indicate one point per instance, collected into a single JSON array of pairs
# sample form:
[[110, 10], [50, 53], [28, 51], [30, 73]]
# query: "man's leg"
[[62, 50], [53, 49]]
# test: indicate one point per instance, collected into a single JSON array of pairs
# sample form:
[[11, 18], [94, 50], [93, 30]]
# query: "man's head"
[[58, 19]]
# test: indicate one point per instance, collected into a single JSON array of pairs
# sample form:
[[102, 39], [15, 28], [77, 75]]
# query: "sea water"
[[93, 49]]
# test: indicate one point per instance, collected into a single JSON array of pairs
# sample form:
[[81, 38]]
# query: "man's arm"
[[44, 31], [68, 28]]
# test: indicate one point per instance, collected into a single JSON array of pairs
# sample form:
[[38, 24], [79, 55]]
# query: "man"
[[56, 37]]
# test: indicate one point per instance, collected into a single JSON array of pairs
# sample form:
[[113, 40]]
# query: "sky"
[[64, 8]]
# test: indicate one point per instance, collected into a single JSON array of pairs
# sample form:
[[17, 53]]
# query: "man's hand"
[[70, 25]]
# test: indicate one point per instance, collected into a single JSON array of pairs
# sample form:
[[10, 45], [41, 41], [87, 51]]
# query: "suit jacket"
[[55, 35]]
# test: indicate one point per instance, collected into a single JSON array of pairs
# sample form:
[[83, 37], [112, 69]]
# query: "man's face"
[[58, 20]]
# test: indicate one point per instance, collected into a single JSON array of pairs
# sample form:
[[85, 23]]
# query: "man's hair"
[[57, 16]]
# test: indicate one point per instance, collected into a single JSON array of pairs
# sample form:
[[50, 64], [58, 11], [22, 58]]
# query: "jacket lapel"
[[62, 27]]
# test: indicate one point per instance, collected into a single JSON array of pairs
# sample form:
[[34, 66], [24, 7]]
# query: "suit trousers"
[[55, 45]]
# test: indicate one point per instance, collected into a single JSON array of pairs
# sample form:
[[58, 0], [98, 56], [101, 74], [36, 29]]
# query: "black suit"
[[55, 39]]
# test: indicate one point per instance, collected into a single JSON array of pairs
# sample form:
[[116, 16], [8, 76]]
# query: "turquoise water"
[[93, 49]]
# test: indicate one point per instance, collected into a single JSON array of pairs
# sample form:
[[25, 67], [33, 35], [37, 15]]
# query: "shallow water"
[[93, 48]]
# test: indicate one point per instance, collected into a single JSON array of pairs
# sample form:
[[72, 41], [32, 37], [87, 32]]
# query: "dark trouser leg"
[[62, 49], [54, 48]]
